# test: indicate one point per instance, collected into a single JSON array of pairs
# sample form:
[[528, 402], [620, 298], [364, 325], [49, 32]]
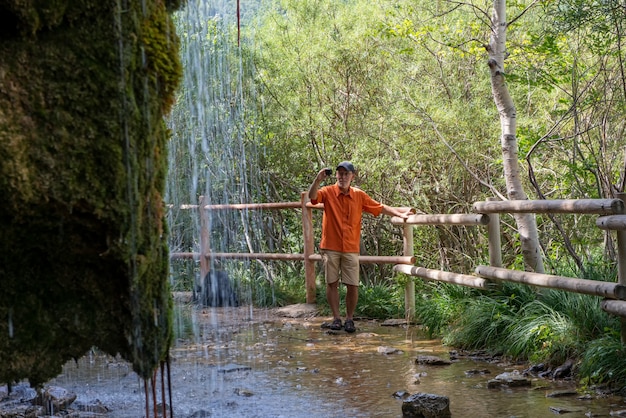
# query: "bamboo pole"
[[612, 222], [409, 289], [309, 245], [493, 234], [584, 206], [243, 206], [255, 206], [584, 286], [621, 265], [375, 259], [185, 256], [363, 259], [444, 276], [444, 219], [205, 246], [256, 256], [615, 307]]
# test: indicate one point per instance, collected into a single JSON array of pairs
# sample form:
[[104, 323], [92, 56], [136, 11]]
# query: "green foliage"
[[604, 361], [439, 304], [382, 301]]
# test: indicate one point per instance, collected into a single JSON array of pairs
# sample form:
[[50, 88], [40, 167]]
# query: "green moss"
[[83, 254]]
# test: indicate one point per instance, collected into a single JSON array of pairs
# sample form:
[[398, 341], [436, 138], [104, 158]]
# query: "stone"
[[508, 379], [432, 361], [389, 350], [564, 370], [561, 393], [426, 405], [54, 399], [477, 372], [217, 290], [298, 310]]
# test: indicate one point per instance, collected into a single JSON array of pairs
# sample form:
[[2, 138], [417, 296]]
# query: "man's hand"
[[321, 176], [400, 212]]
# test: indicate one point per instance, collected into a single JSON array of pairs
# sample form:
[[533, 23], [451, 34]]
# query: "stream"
[[243, 362]]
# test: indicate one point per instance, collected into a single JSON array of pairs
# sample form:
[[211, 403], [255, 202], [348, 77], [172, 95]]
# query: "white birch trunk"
[[526, 223]]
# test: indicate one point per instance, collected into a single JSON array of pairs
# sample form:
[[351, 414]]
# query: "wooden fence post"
[[493, 234], [621, 264], [205, 247], [409, 288], [309, 245]]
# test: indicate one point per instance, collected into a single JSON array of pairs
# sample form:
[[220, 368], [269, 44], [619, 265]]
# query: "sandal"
[[336, 325], [349, 326]]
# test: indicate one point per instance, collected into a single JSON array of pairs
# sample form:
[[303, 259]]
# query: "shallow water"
[[232, 362]]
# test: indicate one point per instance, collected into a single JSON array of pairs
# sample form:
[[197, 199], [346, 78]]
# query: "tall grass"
[[524, 323], [377, 300]]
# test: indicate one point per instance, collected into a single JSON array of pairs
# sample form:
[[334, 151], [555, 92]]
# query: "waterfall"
[[213, 151]]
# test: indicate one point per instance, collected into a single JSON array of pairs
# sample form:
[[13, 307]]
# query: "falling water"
[[212, 150]]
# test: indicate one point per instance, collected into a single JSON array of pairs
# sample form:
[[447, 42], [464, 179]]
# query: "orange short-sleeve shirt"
[[341, 222]]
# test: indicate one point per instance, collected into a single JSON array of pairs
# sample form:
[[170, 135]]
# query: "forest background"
[[403, 90]]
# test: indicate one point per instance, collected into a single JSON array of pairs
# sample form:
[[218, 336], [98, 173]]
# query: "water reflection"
[[254, 365]]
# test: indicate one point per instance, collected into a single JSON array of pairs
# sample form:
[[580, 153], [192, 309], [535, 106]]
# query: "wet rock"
[[22, 393], [95, 408], [546, 374], [619, 413], [508, 379], [476, 372], [426, 405], [564, 370], [401, 394], [535, 369], [298, 310], [243, 392], [476, 355], [432, 361], [54, 399], [389, 350], [230, 368], [558, 410], [561, 393], [217, 290]]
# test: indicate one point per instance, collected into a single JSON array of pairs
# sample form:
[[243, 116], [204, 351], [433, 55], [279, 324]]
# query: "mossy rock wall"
[[84, 86]]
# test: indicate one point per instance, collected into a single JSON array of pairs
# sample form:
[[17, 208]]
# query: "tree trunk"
[[526, 223]]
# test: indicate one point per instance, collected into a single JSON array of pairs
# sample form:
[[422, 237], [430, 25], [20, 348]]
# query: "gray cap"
[[347, 165]]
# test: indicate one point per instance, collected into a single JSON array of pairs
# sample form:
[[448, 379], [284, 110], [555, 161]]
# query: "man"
[[341, 235]]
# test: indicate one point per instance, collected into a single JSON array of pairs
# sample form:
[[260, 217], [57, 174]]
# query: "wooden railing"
[[487, 214]]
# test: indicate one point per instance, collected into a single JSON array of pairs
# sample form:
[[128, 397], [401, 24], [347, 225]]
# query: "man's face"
[[344, 177]]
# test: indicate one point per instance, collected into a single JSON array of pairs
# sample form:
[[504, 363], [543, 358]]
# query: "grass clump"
[[525, 323]]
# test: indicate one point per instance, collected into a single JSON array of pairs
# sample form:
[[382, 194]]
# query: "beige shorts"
[[347, 264]]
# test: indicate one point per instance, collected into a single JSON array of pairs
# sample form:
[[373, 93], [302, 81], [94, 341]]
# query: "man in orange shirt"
[[341, 235]]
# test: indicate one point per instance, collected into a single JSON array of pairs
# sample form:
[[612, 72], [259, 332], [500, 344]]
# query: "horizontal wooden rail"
[[583, 206], [615, 307], [376, 259], [614, 222], [239, 256], [363, 259], [252, 206], [245, 206], [444, 219], [444, 276], [585, 286]]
